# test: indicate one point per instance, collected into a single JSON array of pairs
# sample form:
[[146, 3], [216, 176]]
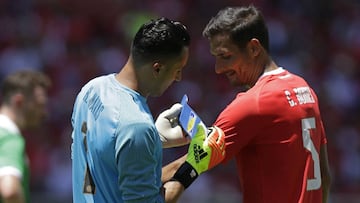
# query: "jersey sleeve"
[[138, 163], [322, 128], [239, 123], [12, 154]]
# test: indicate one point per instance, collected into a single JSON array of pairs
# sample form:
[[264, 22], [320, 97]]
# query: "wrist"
[[186, 174]]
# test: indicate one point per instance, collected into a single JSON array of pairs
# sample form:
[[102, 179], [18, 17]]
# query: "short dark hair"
[[242, 23], [160, 38], [24, 82]]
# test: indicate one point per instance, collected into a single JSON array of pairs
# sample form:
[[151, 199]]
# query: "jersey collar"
[[273, 72]]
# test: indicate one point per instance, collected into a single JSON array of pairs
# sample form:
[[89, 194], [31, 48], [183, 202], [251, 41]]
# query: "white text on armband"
[[302, 96]]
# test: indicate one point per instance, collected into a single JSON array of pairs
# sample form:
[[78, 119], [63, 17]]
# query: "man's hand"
[[206, 150], [167, 124]]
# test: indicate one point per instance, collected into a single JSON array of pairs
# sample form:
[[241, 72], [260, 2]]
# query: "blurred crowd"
[[74, 41]]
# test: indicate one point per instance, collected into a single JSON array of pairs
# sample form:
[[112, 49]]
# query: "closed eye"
[[226, 57], [223, 57]]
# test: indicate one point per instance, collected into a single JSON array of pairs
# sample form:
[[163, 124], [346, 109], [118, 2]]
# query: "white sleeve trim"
[[10, 170], [8, 124]]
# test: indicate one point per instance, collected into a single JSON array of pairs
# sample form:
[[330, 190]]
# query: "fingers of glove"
[[173, 136], [215, 159], [216, 141], [176, 133], [212, 135], [217, 155], [176, 143], [168, 119], [164, 127], [171, 133], [221, 138], [216, 137], [216, 149], [173, 112]]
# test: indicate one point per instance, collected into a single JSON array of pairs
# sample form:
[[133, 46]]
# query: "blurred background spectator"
[[74, 41]]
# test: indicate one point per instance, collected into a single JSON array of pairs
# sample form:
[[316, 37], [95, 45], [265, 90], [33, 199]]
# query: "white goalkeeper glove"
[[170, 131]]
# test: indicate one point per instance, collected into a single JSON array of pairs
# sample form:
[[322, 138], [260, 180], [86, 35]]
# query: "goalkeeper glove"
[[170, 132], [206, 150]]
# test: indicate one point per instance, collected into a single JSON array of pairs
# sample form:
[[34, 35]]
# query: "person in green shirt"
[[23, 102]]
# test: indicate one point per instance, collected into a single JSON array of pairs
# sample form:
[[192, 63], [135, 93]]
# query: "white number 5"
[[307, 124]]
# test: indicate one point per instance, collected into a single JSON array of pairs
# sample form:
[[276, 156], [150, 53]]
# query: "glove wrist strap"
[[186, 174]]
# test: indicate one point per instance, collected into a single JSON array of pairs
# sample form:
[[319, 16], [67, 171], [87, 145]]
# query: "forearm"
[[173, 191], [169, 170], [10, 190], [325, 182], [325, 173], [326, 192]]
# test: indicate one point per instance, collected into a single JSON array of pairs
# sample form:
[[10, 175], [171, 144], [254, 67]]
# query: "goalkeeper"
[[116, 149]]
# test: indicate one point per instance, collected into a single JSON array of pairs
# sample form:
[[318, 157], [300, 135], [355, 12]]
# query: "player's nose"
[[178, 76], [219, 67]]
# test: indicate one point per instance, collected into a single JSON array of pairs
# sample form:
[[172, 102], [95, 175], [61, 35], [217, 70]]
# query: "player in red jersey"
[[274, 129]]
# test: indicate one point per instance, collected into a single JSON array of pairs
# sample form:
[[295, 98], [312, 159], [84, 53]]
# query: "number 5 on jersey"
[[307, 124]]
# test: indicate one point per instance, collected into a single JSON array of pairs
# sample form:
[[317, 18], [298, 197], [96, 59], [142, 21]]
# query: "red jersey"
[[274, 131]]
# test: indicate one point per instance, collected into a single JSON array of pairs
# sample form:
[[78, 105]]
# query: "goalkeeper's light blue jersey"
[[116, 150]]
